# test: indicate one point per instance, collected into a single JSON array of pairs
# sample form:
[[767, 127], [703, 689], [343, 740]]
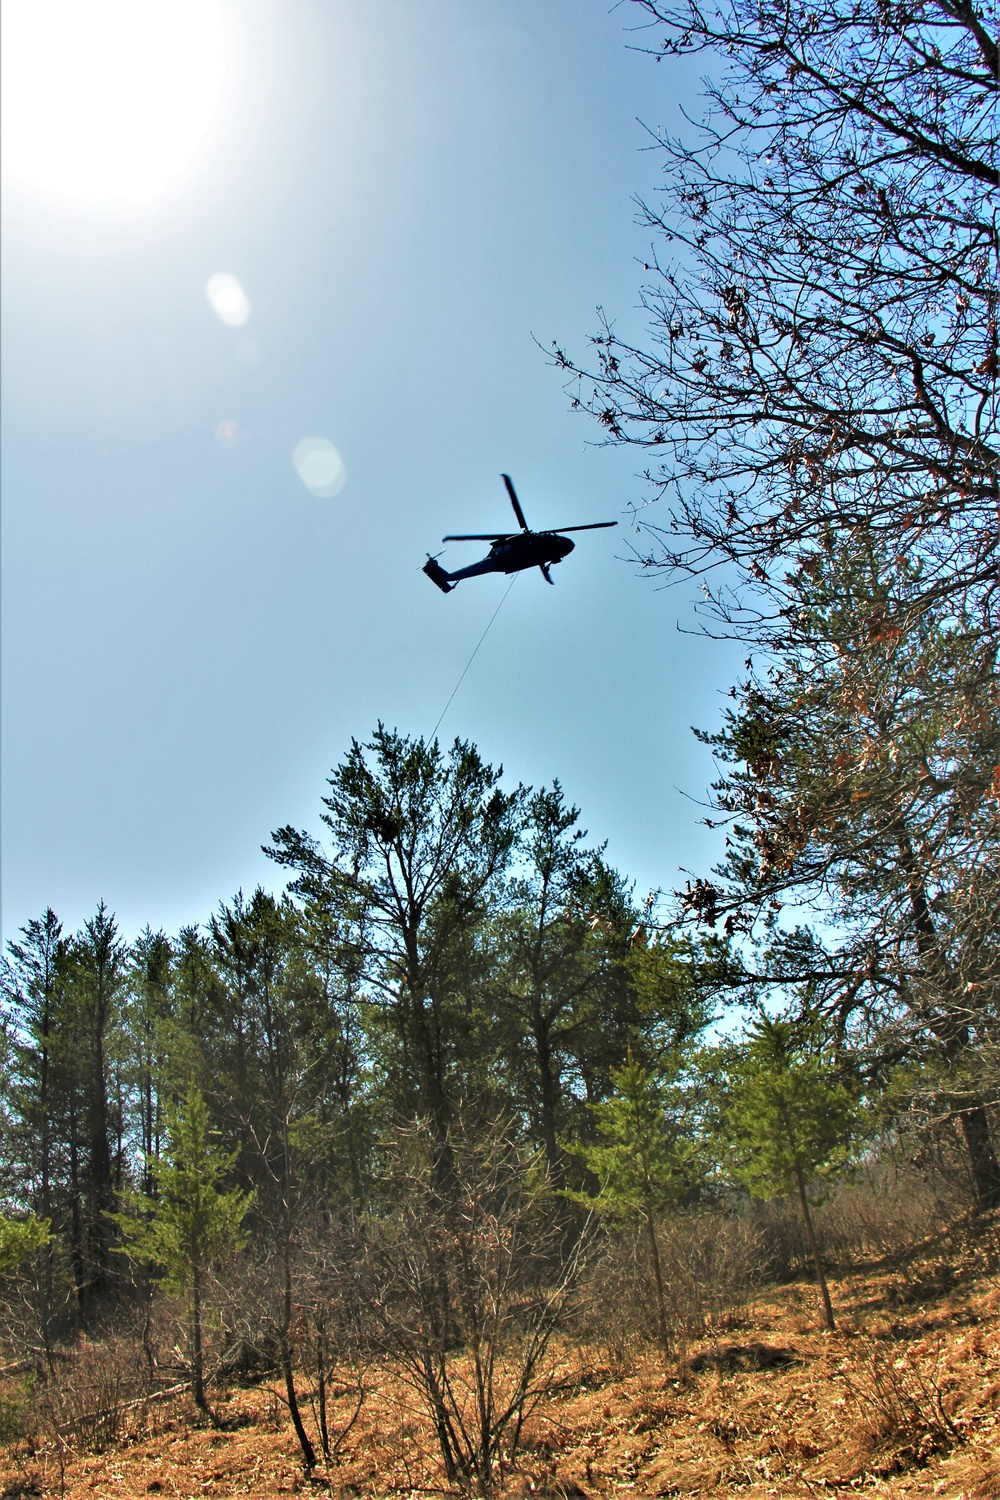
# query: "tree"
[[644, 1159], [97, 974], [420, 841], [193, 1224], [857, 783], [33, 989], [565, 1007], [823, 352], [818, 396], [788, 1119], [151, 1009], [268, 1088]]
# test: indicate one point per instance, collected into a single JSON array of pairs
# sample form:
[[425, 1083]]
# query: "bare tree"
[[822, 349], [466, 1285], [818, 396]]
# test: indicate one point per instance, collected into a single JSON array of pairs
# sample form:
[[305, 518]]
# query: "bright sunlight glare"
[[108, 99], [229, 301]]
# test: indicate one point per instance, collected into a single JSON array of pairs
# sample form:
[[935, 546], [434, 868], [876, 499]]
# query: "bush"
[[712, 1265], [466, 1282], [96, 1396], [900, 1402]]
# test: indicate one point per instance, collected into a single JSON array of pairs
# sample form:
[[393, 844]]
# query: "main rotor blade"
[[544, 569], [519, 513], [594, 526], [479, 536]]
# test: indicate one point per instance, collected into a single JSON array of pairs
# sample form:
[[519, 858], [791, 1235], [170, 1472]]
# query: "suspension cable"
[[472, 658]]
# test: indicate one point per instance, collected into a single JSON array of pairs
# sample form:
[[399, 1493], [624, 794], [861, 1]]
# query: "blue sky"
[[410, 195]]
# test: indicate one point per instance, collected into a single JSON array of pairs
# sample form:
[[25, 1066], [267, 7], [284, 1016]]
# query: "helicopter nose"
[[566, 545]]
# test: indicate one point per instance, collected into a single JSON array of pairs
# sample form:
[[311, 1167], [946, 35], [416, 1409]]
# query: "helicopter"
[[511, 551]]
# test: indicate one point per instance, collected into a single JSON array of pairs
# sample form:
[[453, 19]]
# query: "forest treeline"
[[458, 1042], [451, 953], [457, 1006]]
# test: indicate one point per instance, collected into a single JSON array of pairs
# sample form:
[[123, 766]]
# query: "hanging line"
[[472, 658]]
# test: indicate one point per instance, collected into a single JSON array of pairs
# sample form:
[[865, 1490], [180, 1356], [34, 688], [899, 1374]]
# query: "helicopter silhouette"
[[512, 551]]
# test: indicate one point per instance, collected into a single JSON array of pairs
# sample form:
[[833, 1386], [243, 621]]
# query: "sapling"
[[192, 1224], [643, 1160], [788, 1119]]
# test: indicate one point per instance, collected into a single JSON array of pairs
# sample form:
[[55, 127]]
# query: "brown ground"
[[904, 1399]]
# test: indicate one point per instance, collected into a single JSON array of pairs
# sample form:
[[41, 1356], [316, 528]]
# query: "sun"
[[108, 99]]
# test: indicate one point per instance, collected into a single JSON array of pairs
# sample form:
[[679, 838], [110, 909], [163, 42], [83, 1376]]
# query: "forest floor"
[[902, 1400]]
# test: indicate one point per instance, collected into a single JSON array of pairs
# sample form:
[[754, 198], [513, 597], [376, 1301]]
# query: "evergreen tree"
[[20, 1239], [858, 781], [420, 840], [96, 982], [818, 399], [788, 1119], [566, 1011], [193, 1224], [149, 1013], [40, 1079], [645, 1158]]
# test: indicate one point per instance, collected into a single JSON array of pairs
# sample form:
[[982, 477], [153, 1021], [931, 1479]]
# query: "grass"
[[902, 1400]]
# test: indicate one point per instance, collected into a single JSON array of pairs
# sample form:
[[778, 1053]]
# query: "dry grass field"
[[903, 1399]]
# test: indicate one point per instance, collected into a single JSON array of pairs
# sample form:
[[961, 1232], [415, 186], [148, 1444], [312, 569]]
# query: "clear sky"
[[407, 195]]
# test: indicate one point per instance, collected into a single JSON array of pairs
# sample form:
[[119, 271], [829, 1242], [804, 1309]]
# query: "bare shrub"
[[887, 1207], [247, 1349], [781, 1236], [614, 1312], [713, 1267], [711, 1263], [466, 1280], [884, 1209], [901, 1402], [96, 1396]]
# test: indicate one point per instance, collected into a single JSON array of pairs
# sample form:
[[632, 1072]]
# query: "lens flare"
[[319, 466], [229, 301]]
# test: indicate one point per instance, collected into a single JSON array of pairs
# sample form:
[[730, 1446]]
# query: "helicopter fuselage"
[[526, 549], [509, 554], [511, 551]]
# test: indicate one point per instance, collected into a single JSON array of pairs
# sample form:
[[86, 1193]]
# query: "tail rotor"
[[437, 574]]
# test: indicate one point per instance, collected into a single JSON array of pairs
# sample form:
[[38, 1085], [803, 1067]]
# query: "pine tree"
[[420, 840], [96, 983], [42, 1068], [788, 1119], [644, 1159], [566, 1011], [193, 1224]]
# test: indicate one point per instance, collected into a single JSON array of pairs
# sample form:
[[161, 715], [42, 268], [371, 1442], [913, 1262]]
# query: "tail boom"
[[437, 575]]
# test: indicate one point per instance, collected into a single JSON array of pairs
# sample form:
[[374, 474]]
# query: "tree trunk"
[[982, 1156], [285, 1347], [661, 1303], [197, 1355], [324, 1434], [308, 1451], [548, 1098], [814, 1246]]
